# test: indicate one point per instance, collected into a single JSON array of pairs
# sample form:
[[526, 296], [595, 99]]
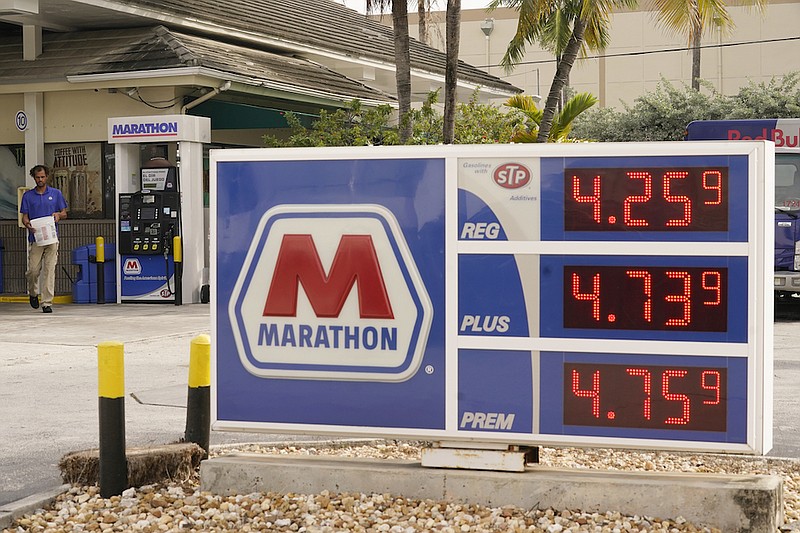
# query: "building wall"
[[620, 76], [79, 116]]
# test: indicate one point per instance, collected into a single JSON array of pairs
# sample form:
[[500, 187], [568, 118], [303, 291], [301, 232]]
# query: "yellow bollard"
[[198, 403], [111, 392], [177, 259], [100, 259]]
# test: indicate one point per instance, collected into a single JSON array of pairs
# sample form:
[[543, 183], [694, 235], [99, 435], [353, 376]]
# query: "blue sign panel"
[[147, 278], [604, 295], [336, 315]]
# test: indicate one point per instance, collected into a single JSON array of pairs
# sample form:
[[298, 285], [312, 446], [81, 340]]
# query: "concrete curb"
[[733, 503], [14, 510]]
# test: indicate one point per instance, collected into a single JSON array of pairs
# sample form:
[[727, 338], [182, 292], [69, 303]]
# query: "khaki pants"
[[42, 259]]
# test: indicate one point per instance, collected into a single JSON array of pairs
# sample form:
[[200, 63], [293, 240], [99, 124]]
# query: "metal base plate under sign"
[[504, 460]]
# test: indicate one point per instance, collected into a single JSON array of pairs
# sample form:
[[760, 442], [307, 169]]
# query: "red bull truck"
[[785, 133]]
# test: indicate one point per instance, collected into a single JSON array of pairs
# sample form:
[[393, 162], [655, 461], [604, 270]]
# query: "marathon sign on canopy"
[[159, 128]]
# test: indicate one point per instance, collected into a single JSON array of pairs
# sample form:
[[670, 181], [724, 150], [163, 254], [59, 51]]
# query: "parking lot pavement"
[[48, 397]]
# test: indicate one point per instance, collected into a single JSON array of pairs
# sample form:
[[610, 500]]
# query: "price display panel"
[[651, 198], [646, 270], [637, 395], [634, 297]]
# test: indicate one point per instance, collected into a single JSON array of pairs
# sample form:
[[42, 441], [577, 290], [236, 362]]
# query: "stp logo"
[[512, 175], [132, 266], [330, 292]]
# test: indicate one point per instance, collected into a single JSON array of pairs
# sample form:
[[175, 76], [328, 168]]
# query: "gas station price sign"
[[590, 295]]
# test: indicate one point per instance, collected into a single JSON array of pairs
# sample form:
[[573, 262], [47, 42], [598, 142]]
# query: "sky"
[[439, 5]]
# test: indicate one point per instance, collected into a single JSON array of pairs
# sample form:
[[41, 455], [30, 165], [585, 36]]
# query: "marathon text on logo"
[[144, 129], [330, 293]]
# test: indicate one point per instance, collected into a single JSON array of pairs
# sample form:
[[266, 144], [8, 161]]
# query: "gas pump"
[[156, 202], [148, 221]]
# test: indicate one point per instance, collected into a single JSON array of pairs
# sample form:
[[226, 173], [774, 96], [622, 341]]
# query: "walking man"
[[41, 201]]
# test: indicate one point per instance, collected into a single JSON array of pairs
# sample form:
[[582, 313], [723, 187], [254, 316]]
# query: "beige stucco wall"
[[78, 116], [9, 105], [622, 77]]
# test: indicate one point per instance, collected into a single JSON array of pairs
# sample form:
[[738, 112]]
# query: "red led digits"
[[648, 288], [645, 396], [713, 286], [646, 199], [645, 298], [675, 397], [677, 199], [593, 199], [715, 387], [593, 296], [685, 299], [637, 199], [644, 373], [593, 393], [716, 187]]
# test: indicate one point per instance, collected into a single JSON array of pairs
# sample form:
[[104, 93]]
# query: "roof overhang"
[[205, 77]]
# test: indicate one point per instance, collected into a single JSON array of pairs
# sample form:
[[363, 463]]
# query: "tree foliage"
[[355, 125], [562, 121], [663, 114], [565, 27]]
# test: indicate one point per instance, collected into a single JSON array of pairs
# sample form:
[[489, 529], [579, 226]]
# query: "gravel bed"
[[180, 506]]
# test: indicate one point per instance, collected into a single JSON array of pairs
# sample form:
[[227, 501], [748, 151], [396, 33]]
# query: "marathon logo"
[[132, 266], [144, 129], [330, 292]]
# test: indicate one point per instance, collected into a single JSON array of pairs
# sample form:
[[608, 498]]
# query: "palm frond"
[[525, 103], [562, 122], [525, 136]]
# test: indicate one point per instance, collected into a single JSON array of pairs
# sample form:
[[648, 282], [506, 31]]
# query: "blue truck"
[[785, 133]]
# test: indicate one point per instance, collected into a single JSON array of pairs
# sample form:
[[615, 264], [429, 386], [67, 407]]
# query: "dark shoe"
[[34, 302], [47, 309]]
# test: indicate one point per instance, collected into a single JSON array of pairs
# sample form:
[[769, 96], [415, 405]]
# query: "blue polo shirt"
[[37, 205]]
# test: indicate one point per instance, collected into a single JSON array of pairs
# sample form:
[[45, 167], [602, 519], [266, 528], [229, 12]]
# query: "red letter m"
[[355, 262]]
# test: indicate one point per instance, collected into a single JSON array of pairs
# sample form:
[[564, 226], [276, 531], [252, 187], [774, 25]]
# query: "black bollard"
[[111, 389], [198, 404]]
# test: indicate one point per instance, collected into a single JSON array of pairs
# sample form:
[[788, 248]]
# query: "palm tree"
[[452, 32], [693, 17], [562, 121], [565, 27], [402, 60], [422, 12]]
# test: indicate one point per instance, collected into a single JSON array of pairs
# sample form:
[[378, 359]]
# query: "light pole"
[[487, 26]]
